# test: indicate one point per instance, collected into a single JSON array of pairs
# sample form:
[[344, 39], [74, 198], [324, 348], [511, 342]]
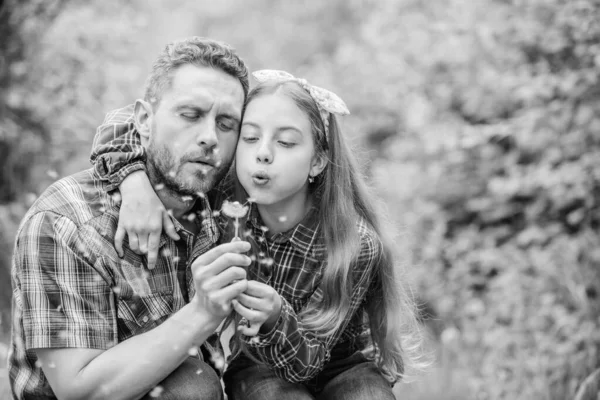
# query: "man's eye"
[[225, 126], [190, 116]]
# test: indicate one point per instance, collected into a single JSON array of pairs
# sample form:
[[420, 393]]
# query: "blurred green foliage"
[[481, 128]]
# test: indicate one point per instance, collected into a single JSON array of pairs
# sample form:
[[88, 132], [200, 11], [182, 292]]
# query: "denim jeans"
[[193, 379], [352, 378]]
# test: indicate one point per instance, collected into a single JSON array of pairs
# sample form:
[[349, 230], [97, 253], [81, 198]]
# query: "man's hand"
[[219, 278], [260, 304], [142, 218]]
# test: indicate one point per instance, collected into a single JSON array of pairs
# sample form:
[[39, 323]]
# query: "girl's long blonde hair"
[[344, 199]]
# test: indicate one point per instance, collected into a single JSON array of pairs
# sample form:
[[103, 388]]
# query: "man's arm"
[[70, 314], [132, 368]]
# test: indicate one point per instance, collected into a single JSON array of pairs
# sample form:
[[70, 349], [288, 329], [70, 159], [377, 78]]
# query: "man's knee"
[[193, 380]]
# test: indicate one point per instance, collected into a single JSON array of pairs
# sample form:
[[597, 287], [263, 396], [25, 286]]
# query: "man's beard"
[[164, 169]]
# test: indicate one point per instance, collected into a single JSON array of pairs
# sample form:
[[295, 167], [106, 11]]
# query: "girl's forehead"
[[274, 105]]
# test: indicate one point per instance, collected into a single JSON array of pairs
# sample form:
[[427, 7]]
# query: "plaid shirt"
[[71, 289], [291, 262]]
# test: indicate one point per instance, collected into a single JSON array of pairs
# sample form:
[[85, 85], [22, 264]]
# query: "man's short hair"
[[196, 51]]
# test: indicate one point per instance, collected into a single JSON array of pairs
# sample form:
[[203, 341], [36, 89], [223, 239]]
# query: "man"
[[89, 324]]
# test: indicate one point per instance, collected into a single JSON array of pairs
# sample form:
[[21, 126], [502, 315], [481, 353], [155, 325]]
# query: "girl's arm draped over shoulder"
[[298, 354], [117, 153]]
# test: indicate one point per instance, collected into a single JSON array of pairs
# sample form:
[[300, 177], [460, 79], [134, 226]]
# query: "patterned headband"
[[327, 102]]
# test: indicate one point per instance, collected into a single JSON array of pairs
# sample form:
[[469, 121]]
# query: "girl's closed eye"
[[250, 138], [286, 143]]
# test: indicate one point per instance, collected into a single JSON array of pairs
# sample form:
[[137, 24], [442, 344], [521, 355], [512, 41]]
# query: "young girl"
[[326, 312]]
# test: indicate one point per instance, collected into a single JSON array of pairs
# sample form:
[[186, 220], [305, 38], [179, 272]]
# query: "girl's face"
[[276, 152]]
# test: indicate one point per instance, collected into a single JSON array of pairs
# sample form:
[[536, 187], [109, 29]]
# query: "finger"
[[169, 227], [143, 243], [216, 267], [227, 277], [251, 301], [216, 252], [153, 242], [251, 330], [258, 289], [119, 237], [228, 293], [133, 243], [251, 315]]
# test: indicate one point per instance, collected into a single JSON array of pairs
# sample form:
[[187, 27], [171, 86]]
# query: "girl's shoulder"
[[370, 242]]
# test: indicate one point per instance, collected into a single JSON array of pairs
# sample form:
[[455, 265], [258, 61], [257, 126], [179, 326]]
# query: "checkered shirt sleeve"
[[117, 150], [65, 299]]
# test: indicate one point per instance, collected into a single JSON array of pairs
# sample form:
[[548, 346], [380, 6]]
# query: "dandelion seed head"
[[191, 217], [159, 186], [234, 209]]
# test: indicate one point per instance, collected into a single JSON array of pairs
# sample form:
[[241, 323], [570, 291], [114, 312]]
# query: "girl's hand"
[[142, 218], [260, 304]]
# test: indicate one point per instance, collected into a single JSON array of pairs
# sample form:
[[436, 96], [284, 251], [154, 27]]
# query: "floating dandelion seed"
[[157, 391], [261, 239], [172, 174], [251, 200], [234, 210], [248, 233], [254, 341], [193, 351], [159, 186], [200, 194], [116, 290], [204, 214], [186, 198], [218, 164], [264, 229], [253, 257], [145, 319], [216, 213], [102, 209], [51, 364], [199, 371], [283, 218], [166, 252], [52, 174], [191, 217], [176, 259]]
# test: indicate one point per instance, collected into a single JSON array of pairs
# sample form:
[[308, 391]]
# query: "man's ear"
[[318, 165], [143, 114]]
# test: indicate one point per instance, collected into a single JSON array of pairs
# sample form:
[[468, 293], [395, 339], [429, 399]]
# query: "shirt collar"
[[305, 236], [203, 217]]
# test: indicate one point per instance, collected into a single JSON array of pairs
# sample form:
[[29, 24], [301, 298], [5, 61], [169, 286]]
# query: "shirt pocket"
[[139, 314]]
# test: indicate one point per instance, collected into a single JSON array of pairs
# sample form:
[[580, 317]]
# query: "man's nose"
[[206, 135]]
